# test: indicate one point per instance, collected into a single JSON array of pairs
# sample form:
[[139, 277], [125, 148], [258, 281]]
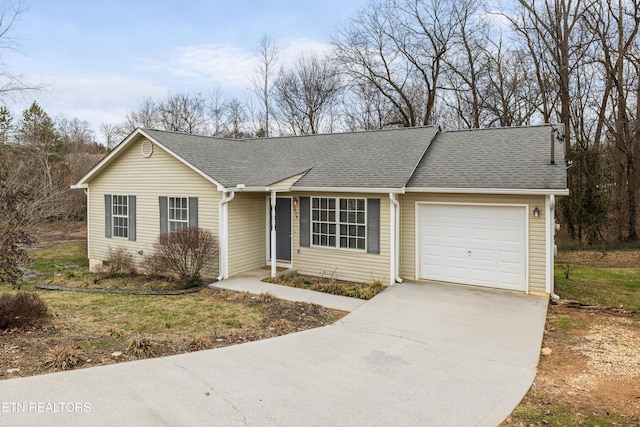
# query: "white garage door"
[[474, 245]]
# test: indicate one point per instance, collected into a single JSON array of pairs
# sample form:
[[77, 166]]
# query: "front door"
[[283, 229]]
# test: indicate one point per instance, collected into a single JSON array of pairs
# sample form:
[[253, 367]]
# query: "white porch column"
[[273, 234]]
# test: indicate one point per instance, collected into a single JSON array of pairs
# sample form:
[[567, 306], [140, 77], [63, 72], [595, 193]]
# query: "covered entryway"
[[283, 230], [483, 245]]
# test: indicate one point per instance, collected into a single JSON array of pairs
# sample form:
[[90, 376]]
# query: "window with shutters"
[[339, 223], [120, 216], [178, 213]]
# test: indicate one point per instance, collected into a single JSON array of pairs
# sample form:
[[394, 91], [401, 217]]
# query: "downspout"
[[273, 235], [223, 235], [552, 248], [86, 192], [394, 212]]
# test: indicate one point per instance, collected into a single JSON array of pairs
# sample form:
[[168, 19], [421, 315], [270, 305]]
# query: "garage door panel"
[[473, 244]]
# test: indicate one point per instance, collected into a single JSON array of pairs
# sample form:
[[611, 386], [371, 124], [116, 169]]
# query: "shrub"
[[199, 342], [183, 253], [140, 347], [63, 358], [282, 326], [119, 262], [193, 281], [21, 309]]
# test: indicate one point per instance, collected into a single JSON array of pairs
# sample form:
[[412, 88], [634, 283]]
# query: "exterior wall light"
[[295, 202], [536, 212]]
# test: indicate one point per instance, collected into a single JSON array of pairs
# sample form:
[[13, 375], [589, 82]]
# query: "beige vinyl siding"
[[247, 232], [285, 184], [537, 265], [147, 179], [344, 264]]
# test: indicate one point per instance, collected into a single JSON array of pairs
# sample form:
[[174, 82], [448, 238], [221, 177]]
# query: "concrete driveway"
[[417, 354]]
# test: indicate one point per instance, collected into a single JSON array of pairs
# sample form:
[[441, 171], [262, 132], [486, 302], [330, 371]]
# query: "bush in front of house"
[[21, 309], [119, 262], [183, 254]]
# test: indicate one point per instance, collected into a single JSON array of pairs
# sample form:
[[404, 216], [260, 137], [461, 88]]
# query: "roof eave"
[[378, 190], [458, 190]]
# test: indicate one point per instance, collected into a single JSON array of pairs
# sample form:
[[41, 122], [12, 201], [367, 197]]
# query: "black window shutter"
[[193, 212], [305, 222], [107, 216], [164, 215], [132, 218], [373, 226]]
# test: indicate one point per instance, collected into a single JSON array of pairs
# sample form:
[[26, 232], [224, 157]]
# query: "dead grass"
[[63, 357], [91, 329], [330, 286]]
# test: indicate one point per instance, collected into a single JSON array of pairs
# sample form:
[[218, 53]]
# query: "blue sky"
[[99, 59]]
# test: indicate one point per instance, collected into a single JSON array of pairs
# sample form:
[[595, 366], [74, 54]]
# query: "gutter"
[[394, 213], [223, 235]]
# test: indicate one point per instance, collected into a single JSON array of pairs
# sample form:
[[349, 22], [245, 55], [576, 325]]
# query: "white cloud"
[[194, 66], [96, 98]]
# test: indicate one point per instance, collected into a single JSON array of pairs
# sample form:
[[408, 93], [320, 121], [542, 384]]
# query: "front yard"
[[90, 329], [589, 370]]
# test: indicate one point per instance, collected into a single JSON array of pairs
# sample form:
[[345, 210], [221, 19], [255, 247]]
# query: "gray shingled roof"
[[376, 159], [501, 158]]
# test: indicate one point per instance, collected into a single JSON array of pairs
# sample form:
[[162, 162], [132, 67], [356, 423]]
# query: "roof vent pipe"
[[553, 145]]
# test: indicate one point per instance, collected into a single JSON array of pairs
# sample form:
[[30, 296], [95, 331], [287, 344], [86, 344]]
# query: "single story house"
[[473, 206]]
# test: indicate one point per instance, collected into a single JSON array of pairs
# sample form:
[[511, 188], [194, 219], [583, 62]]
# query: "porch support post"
[[273, 234]]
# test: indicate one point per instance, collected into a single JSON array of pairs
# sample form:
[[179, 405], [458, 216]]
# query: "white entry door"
[[483, 245]]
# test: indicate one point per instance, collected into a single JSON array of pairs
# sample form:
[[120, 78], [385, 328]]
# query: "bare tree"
[[399, 47], [236, 117], [551, 29], [306, 94], [183, 113], [11, 83], [467, 67], [263, 82], [111, 133], [217, 120], [146, 116], [616, 26]]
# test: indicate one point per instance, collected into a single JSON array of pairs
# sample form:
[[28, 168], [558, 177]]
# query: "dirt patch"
[[61, 231], [601, 259], [594, 364]]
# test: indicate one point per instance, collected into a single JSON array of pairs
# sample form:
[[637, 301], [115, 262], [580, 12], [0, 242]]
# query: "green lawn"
[[610, 287]]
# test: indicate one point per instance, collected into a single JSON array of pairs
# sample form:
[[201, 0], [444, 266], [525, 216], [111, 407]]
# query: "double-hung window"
[[339, 222], [178, 213], [120, 216]]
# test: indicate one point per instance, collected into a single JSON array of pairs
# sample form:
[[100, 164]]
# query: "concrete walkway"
[[415, 355], [251, 281]]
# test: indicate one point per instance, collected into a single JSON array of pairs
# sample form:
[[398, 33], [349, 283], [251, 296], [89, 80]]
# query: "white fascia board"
[[256, 189], [526, 191], [348, 190]]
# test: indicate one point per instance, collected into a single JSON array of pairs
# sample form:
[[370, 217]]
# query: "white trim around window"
[[120, 216], [178, 213], [339, 222]]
